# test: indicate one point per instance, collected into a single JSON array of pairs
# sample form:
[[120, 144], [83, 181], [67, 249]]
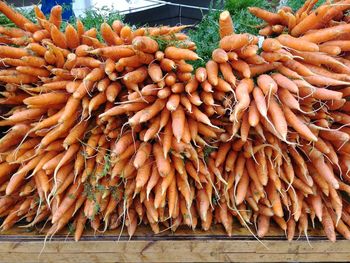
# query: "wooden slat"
[[175, 251], [184, 246]]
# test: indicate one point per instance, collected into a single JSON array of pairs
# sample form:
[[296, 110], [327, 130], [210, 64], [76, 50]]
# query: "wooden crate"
[[18, 245]]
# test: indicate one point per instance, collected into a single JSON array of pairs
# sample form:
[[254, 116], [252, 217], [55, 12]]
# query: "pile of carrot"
[[115, 131]]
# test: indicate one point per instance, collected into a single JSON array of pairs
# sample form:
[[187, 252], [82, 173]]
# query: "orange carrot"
[[14, 16], [180, 53], [297, 43], [311, 21], [58, 37], [278, 118], [56, 16], [236, 41], [226, 27], [145, 44], [270, 18]]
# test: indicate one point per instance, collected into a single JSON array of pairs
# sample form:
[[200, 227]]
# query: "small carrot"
[[226, 27], [180, 53], [235, 41], [145, 44], [269, 17], [58, 37]]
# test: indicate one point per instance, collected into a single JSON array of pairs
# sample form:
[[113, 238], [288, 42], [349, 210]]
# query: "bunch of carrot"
[[124, 130]]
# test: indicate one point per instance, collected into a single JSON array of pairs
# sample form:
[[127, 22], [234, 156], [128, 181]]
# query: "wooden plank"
[[183, 246], [124, 251], [186, 246]]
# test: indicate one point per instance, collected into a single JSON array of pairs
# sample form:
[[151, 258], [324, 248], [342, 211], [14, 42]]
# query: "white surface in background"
[[79, 6], [124, 6]]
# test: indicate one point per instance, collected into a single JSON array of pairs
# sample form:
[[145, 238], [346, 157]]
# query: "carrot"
[[145, 44], [325, 81], [149, 112], [40, 35], [109, 36], [278, 29], [235, 41], [58, 37], [46, 99], [75, 134], [126, 34], [267, 84], [56, 16], [163, 163], [173, 102], [178, 122], [260, 69], [243, 89], [334, 135], [270, 18], [219, 55], [74, 191], [322, 168], [332, 13], [180, 53], [263, 225], [18, 19], [143, 174], [311, 21], [113, 52], [226, 27], [326, 34], [298, 67], [344, 45], [266, 31], [278, 118], [34, 61], [72, 37], [117, 25], [328, 225], [71, 106], [155, 72], [242, 67], [212, 70], [13, 52], [227, 73], [297, 43], [299, 126], [27, 114], [142, 154], [86, 86], [184, 67], [275, 56], [167, 64], [285, 82]]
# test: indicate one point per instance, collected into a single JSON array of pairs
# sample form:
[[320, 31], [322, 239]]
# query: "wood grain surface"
[[19, 245]]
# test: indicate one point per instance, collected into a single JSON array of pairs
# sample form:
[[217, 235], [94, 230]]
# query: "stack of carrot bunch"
[[120, 129]]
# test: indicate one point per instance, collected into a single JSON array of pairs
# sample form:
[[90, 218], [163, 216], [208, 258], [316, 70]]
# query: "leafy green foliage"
[[71, 228], [206, 37], [243, 20], [206, 33], [233, 5], [96, 16]]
